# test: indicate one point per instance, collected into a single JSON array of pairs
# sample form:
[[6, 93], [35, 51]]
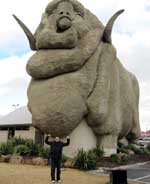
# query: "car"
[[144, 140]]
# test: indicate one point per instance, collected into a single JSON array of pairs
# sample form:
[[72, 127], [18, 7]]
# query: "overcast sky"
[[130, 37]]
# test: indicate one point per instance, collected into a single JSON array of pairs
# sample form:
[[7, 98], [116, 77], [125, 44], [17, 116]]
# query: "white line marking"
[[142, 182], [142, 177], [138, 181]]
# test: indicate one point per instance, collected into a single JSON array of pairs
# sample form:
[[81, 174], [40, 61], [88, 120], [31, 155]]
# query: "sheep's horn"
[[108, 29], [28, 33]]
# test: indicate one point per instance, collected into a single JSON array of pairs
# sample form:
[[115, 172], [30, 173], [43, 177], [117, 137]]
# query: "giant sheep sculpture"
[[77, 76]]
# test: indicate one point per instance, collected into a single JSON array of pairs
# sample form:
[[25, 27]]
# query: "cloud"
[[134, 54], [13, 67], [14, 92], [11, 36], [13, 82]]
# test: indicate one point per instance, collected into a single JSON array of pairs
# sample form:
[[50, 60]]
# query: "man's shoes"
[[53, 181], [59, 181]]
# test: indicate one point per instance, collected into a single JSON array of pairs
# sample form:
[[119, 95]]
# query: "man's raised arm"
[[47, 141], [68, 141]]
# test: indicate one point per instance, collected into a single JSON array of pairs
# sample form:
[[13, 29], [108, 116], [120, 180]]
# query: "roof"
[[20, 116], [145, 133]]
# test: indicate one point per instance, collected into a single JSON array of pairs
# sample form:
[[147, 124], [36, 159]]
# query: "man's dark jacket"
[[56, 148]]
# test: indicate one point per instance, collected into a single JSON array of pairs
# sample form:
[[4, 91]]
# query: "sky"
[[130, 37]]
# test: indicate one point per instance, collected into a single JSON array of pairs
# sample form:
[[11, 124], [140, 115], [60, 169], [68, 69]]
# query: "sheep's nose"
[[65, 13]]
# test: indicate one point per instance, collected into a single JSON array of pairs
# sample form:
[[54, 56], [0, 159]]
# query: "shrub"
[[122, 149], [34, 148], [6, 148], [115, 159], [84, 160], [91, 160], [64, 158], [148, 147], [21, 146], [43, 151], [80, 160], [135, 149], [124, 159], [138, 151], [15, 141], [99, 153], [131, 147], [131, 137], [146, 152], [21, 150], [119, 159]]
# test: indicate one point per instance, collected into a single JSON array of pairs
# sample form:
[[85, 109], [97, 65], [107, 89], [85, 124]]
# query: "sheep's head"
[[63, 13]]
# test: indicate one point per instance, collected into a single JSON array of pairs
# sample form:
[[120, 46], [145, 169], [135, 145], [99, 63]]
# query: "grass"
[[28, 174]]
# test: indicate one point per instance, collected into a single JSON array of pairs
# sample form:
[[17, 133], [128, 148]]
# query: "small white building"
[[19, 123]]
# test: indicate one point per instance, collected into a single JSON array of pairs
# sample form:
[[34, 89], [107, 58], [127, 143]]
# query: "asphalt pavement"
[[137, 172], [140, 173]]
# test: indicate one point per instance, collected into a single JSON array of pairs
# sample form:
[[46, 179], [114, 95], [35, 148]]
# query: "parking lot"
[[140, 173]]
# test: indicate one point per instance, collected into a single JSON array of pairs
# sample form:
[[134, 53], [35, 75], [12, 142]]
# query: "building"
[[19, 123], [145, 134]]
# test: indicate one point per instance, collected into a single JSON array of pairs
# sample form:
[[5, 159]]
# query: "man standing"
[[56, 156]]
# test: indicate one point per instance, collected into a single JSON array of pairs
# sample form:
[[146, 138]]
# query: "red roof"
[[145, 134]]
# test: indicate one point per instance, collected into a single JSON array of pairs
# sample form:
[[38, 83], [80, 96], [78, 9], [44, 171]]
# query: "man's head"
[[57, 139]]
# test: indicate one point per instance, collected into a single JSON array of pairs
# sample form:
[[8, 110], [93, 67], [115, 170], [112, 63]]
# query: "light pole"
[[146, 129], [15, 106]]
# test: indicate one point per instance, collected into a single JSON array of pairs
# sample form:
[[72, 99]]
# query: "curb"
[[125, 166], [106, 170]]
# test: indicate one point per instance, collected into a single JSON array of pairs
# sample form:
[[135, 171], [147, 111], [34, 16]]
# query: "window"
[[15, 127], [3, 128], [23, 128]]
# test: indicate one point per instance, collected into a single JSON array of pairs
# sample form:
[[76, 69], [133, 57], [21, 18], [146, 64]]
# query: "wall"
[[81, 137], [27, 134], [3, 136]]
